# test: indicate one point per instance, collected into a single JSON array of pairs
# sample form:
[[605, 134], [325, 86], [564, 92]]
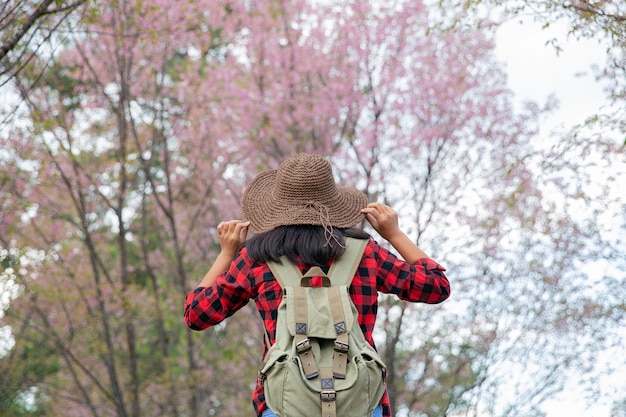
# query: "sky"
[[535, 71]]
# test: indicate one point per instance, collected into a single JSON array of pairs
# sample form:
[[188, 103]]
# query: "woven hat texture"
[[301, 191]]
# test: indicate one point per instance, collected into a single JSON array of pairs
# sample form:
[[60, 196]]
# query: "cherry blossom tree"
[[149, 121]]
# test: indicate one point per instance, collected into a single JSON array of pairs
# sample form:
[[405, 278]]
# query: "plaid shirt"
[[379, 271]]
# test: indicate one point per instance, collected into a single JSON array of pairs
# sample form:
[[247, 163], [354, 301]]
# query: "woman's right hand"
[[232, 234]]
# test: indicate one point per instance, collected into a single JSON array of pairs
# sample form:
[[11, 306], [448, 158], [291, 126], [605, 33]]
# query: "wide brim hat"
[[302, 191]]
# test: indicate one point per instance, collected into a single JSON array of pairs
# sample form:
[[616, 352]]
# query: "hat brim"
[[265, 212]]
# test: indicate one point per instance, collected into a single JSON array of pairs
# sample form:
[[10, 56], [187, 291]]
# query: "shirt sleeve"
[[424, 281], [208, 306]]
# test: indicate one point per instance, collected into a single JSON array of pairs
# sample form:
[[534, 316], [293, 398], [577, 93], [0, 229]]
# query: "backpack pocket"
[[371, 382], [289, 394], [286, 392]]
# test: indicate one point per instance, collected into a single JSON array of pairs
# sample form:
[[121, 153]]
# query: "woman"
[[300, 212]]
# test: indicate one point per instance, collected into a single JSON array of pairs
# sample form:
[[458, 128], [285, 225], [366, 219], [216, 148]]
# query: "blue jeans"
[[378, 412]]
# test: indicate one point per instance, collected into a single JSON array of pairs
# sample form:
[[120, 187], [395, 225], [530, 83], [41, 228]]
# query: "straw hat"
[[302, 191]]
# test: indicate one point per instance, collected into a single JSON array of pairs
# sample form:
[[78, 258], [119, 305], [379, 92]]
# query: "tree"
[[110, 276], [586, 162], [25, 29], [146, 126], [618, 408]]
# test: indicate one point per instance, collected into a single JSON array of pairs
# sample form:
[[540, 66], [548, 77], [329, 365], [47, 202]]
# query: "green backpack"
[[321, 363]]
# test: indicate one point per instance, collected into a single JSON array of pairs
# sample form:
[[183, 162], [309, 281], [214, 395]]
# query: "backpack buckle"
[[328, 396], [328, 393], [341, 347], [303, 346]]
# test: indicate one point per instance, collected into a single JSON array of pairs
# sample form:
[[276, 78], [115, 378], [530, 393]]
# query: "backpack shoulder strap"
[[286, 273], [342, 270]]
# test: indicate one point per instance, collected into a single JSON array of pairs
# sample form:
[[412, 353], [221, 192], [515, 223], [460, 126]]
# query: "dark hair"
[[309, 243]]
